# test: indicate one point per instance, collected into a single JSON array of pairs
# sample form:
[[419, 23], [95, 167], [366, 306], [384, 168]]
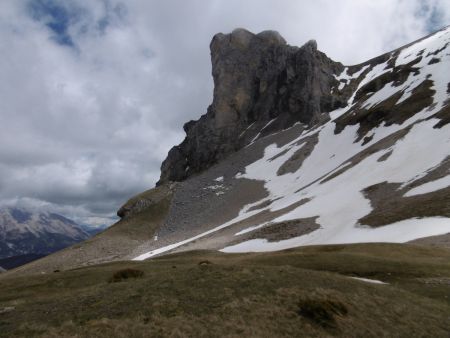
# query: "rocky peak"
[[237, 59], [261, 85]]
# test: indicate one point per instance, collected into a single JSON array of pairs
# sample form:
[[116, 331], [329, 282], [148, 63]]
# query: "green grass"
[[302, 292]]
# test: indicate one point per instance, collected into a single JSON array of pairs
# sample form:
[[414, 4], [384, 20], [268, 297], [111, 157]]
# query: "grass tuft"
[[124, 274], [322, 310], [204, 263]]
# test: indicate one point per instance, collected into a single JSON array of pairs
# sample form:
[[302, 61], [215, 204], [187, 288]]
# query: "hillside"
[[296, 149], [376, 169], [267, 219], [362, 290]]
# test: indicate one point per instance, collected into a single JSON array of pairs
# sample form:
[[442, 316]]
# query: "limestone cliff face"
[[261, 85]]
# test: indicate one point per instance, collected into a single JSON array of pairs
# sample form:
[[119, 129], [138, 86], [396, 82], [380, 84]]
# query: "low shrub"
[[124, 274], [321, 311]]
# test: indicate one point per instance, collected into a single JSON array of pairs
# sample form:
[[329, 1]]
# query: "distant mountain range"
[[93, 230], [27, 235]]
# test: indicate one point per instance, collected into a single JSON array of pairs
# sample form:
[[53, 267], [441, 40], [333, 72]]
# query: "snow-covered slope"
[[377, 171]]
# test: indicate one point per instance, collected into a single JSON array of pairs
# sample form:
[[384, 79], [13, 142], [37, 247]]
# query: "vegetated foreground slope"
[[402, 290]]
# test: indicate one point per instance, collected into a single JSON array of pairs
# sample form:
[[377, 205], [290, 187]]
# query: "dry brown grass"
[[207, 294], [125, 274]]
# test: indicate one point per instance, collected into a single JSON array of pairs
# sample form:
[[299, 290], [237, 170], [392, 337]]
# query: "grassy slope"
[[113, 244], [301, 292]]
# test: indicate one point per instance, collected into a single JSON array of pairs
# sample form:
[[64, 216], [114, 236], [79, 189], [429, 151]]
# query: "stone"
[[258, 78]]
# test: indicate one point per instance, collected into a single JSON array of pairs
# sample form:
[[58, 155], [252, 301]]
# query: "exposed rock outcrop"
[[145, 200], [261, 85]]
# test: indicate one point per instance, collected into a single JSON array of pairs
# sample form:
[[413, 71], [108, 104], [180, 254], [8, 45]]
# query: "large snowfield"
[[339, 203]]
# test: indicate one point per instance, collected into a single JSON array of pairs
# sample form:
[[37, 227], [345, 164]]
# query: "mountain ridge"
[[28, 232], [389, 97], [363, 172], [177, 165]]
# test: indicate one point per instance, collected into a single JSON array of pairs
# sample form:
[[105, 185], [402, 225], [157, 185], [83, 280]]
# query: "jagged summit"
[[312, 44], [242, 38], [261, 85], [272, 37]]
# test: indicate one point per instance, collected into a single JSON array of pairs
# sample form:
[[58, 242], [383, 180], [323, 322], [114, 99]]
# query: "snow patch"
[[249, 229], [383, 94], [339, 203], [399, 232], [428, 187], [367, 280]]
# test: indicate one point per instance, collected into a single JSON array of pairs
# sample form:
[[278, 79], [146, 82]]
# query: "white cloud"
[[86, 125]]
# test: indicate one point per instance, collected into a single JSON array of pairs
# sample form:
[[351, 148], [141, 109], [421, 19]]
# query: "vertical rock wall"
[[258, 79]]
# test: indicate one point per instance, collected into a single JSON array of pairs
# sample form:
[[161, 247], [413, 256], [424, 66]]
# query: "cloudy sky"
[[93, 93]]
